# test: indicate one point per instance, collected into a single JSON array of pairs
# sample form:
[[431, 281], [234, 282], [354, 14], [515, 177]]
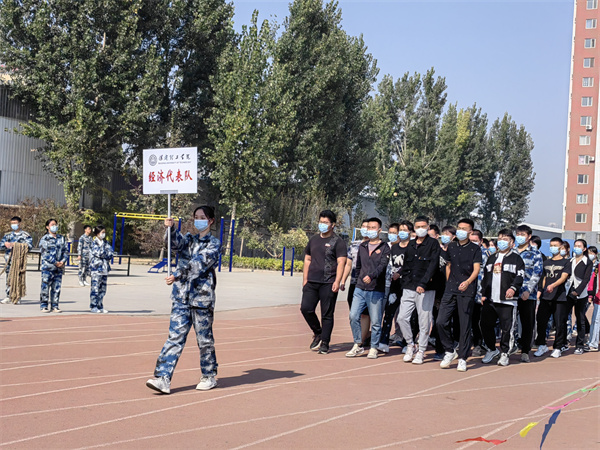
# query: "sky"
[[505, 56]]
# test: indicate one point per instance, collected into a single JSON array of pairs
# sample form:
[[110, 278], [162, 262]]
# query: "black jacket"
[[583, 272], [421, 263], [513, 272], [373, 265]]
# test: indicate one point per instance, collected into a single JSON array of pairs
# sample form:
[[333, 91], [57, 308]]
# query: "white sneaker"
[[448, 358], [503, 361], [462, 365], [356, 350], [5, 301], [372, 353], [81, 283], [85, 283], [383, 348], [556, 353], [410, 351], [418, 359], [207, 383], [162, 384], [490, 355], [103, 311], [45, 310], [542, 350], [56, 310]]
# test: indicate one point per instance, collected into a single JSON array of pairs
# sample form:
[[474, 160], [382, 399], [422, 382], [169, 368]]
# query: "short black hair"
[[593, 249], [422, 219], [85, 227], [525, 228], [537, 241], [17, 218], [477, 233], [486, 242], [364, 221], [506, 232], [328, 214], [51, 220], [566, 245], [450, 229], [435, 228], [375, 219], [98, 229], [557, 239], [208, 211], [468, 222], [394, 225], [408, 224]]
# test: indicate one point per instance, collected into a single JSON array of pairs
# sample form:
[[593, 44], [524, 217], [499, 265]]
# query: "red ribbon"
[[480, 439]]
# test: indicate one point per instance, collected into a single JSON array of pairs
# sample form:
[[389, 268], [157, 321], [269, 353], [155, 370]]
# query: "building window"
[[588, 62], [582, 199], [587, 82], [592, 4], [585, 140], [590, 23], [579, 236], [584, 160], [586, 101], [586, 121], [589, 43], [582, 179], [580, 218]]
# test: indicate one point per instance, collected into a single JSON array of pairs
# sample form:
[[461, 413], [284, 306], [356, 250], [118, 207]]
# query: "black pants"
[[312, 293], [439, 348], [546, 309], [477, 337], [388, 318], [561, 315], [463, 305], [526, 311], [580, 307], [508, 319]]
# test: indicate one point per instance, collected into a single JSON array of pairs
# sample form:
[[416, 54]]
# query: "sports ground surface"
[[77, 380]]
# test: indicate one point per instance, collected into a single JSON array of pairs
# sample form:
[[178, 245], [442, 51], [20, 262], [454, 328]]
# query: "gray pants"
[[424, 304]]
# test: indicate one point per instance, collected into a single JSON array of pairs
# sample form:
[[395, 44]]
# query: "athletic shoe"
[[541, 351], [408, 356], [593, 349], [462, 365], [556, 353], [438, 356], [565, 348], [162, 384], [316, 343], [207, 383], [356, 350], [418, 359], [56, 310], [45, 310], [323, 349], [94, 310], [372, 353], [103, 311], [578, 351], [478, 351], [586, 348], [524, 357], [513, 350], [81, 283], [503, 361], [448, 358], [384, 348], [6, 301], [86, 283], [490, 355]]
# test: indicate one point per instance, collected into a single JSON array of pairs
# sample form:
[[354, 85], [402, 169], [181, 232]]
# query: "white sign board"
[[171, 170]]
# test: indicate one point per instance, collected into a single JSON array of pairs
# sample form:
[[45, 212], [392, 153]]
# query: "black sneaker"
[[478, 351], [564, 348], [586, 348], [324, 348], [316, 342], [578, 351]]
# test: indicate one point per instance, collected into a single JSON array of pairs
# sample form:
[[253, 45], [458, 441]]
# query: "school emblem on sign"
[[152, 160]]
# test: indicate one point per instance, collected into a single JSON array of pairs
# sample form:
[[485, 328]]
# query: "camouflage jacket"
[[534, 267], [16, 237], [101, 254], [84, 247], [54, 249]]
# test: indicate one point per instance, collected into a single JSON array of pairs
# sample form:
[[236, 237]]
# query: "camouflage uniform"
[[101, 254], [16, 237], [54, 250], [84, 250], [193, 299]]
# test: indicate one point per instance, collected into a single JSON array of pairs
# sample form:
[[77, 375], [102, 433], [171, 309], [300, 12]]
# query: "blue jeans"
[[373, 300], [595, 327]]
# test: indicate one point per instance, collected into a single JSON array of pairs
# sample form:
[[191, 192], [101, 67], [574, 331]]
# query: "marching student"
[[101, 254], [477, 238], [371, 264], [8, 241], [194, 281], [324, 262], [84, 252], [55, 254], [502, 280], [392, 281], [577, 296]]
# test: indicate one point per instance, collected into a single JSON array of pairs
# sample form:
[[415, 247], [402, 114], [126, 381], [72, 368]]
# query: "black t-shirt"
[[324, 253], [461, 259], [553, 269]]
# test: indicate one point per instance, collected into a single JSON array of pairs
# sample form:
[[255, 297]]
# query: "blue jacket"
[[84, 247], [102, 253], [534, 268], [54, 249], [16, 237]]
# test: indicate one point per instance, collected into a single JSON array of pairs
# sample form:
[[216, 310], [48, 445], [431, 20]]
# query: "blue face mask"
[[372, 234], [14, 226], [404, 235], [520, 240], [54, 228], [502, 245], [363, 232], [201, 224], [323, 227], [461, 235], [563, 252], [554, 250], [445, 239], [492, 250], [577, 251], [392, 237]]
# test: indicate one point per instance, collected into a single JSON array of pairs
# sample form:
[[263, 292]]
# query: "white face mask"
[[101, 236], [421, 232]]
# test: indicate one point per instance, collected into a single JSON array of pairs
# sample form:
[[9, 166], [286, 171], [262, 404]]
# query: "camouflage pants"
[[50, 291], [98, 291], [84, 268], [7, 286], [183, 317]]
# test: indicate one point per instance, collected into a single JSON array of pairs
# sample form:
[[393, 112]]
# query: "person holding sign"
[[193, 296]]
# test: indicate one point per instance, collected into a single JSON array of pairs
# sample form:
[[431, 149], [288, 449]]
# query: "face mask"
[[577, 251], [502, 245], [101, 236], [592, 257], [492, 250], [445, 239], [323, 227], [421, 232], [461, 235], [54, 228], [201, 224], [372, 234], [563, 252], [533, 246], [520, 240], [554, 250], [392, 237], [404, 235], [14, 226], [363, 232]]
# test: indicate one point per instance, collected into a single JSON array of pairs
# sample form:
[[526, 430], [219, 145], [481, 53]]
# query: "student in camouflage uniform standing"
[[193, 296], [16, 236], [55, 253], [84, 250], [101, 255]]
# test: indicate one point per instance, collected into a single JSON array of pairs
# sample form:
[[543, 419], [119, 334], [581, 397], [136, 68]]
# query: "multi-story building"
[[581, 204]]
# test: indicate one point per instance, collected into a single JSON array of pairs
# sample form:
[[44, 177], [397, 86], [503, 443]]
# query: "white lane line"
[[85, 341]]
